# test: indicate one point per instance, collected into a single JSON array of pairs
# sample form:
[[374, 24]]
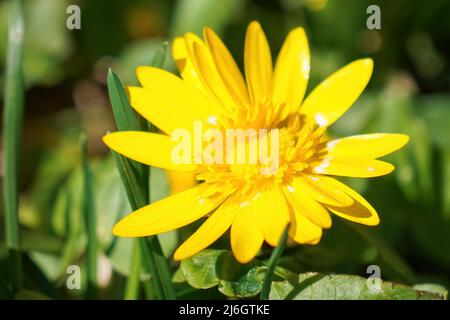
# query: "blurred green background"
[[65, 72]]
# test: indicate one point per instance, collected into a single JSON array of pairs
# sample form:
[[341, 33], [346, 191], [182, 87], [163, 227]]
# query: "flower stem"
[[272, 264]]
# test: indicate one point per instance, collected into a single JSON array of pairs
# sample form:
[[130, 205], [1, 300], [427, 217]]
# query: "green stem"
[[12, 136], [272, 264]]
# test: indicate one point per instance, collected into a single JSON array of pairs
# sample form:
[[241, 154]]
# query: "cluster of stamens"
[[300, 142]]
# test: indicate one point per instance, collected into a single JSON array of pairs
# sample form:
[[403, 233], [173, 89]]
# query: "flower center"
[[260, 160]]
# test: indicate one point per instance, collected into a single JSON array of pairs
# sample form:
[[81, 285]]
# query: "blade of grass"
[[35, 279], [135, 178], [12, 136], [132, 174], [153, 259], [90, 223], [135, 196], [159, 58], [152, 254], [132, 286], [272, 264]]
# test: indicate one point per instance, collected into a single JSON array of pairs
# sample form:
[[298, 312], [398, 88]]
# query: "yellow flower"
[[256, 206]]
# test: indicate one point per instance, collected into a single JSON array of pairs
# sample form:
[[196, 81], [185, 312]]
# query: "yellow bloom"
[[257, 207]]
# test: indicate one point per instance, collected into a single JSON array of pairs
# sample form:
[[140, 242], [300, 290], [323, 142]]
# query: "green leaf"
[[212, 268], [178, 276], [12, 137], [135, 178], [132, 286], [90, 222], [432, 287], [159, 57], [123, 114], [317, 286]]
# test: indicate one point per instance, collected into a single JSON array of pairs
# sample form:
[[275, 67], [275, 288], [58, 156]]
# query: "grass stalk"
[[135, 178], [90, 223], [12, 136]]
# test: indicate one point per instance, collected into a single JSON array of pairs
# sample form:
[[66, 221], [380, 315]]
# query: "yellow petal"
[[167, 214], [271, 214], [246, 239], [321, 190], [211, 79], [303, 231], [169, 102], [302, 202], [292, 70], [210, 230], [185, 65], [227, 67], [180, 180], [366, 146], [258, 63], [149, 148], [334, 96], [353, 168], [361, 211]]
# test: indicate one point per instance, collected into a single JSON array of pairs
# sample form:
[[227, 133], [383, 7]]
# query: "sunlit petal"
[[336, 94], [292, 70], [158, 103], [246, 239], [227, 67], [149, 148], [258, 63], [303, 231], [167, 214], [353, 168], [271, 214], [366, 146], [303, 203], [209, 231]]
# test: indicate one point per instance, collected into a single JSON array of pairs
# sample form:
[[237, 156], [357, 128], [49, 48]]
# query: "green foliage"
[[12, 135], [316, 286], [212, 268]]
